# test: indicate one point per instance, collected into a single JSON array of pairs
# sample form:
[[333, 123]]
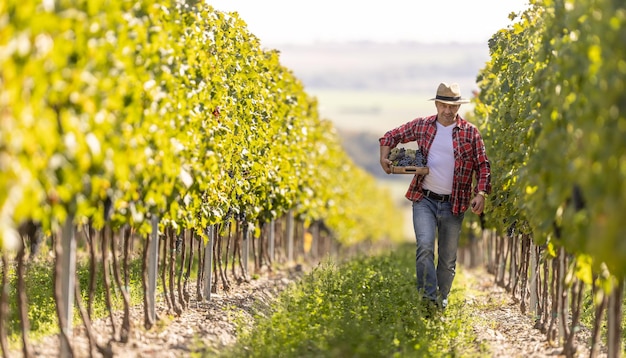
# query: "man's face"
[[447, 112]]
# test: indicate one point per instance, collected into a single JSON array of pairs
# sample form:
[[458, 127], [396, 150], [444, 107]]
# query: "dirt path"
[[504, 329], [210, 326]]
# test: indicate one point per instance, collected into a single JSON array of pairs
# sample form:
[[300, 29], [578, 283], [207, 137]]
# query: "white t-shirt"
[[441, 161]]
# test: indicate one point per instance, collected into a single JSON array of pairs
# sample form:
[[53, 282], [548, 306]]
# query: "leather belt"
[[434, 196]]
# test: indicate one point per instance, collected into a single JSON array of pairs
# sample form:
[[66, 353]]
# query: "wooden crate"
[[409, 170]]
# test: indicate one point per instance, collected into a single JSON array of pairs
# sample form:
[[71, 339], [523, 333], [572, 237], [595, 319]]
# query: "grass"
[[365, 307], [368, 308], [41, 304]]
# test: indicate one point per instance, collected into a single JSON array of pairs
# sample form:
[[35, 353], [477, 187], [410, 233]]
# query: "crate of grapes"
[[407, 161]]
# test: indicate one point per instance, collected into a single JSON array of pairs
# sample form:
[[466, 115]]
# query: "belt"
[[434, 196]]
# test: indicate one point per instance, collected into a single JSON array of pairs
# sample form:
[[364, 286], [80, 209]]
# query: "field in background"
[[373, 87], [371, 110], [388, 67]]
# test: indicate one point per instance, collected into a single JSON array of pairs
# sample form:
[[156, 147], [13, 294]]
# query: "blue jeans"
[[435, 219]]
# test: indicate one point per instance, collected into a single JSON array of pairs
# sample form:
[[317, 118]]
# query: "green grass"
[[367, 307], [588, 316], [41, 304]]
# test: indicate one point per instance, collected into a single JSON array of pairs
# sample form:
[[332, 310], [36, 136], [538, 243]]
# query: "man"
[[455, 154]]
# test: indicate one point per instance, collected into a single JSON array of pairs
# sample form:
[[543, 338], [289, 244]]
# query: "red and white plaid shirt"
[[469, 158]]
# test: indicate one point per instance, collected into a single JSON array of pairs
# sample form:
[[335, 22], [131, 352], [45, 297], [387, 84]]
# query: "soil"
[[210, 326], [506, 331]]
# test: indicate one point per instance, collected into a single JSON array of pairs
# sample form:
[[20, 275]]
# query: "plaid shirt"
[[469, 158]]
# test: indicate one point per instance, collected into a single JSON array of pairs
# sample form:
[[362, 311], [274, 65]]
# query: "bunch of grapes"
[[404, 157]]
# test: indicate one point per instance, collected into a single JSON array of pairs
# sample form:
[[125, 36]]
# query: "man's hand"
[[384, 162], [478, 204]]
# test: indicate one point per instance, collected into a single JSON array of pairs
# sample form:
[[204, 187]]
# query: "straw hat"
[[450, 94]]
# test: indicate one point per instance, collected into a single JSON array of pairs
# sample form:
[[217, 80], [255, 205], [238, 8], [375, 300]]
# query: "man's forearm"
[[384, 151]]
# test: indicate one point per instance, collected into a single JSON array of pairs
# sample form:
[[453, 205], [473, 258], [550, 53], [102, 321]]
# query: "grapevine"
[[179, 114], [551, 110]]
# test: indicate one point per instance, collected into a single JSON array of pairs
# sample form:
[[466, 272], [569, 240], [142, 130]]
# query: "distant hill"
[[364, 150]]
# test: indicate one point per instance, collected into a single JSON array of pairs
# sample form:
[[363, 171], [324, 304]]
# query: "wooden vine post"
[[614, 319], [534, 283], [560, 296], [272, 239], [316, 238], [290, 235], [208, 261], [68, 266], [153, 263], [245, 249]]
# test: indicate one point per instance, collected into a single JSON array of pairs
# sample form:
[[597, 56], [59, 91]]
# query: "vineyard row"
[[552, 111]]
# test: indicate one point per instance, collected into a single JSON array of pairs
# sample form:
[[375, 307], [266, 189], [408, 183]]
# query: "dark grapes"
[[403, 157]]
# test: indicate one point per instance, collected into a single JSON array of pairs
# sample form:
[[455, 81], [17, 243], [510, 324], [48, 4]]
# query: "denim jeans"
[[435, 219]]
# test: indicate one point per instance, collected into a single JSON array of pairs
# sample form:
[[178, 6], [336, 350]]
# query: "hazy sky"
[[291, 21]]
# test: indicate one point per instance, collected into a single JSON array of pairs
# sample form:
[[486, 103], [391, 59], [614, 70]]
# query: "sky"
[[299, 22]]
